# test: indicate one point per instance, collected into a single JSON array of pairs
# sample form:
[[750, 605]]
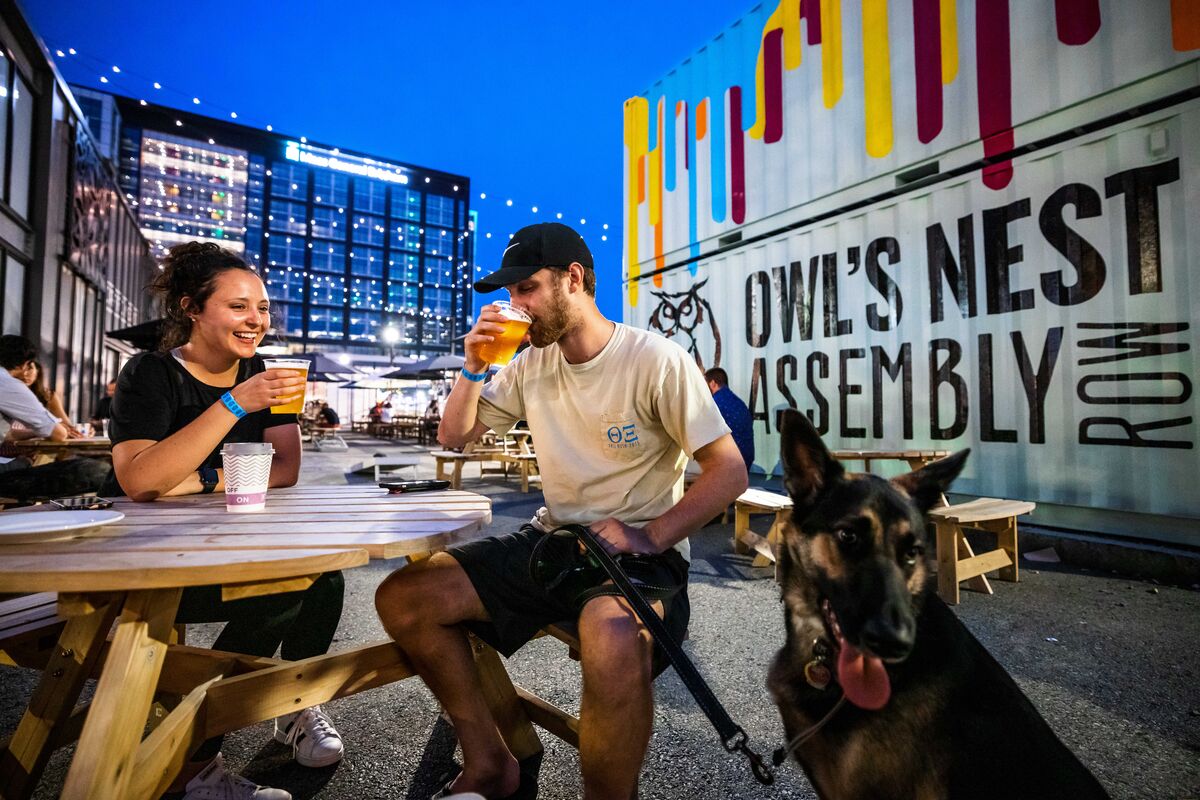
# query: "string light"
[[460, 280]]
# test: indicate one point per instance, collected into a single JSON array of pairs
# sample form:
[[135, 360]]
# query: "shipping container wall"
[[1049, 324], [802, 99]]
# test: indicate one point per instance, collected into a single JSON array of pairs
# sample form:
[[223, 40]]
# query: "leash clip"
[[740, 743]]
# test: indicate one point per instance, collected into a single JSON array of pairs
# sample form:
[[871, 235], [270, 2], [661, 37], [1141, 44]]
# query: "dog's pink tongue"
[[863, 678]]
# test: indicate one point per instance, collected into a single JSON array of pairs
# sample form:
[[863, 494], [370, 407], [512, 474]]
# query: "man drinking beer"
[[615, 411]]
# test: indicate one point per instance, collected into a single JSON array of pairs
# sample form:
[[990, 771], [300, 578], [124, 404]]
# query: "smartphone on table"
[[81, 503], [404, 487]]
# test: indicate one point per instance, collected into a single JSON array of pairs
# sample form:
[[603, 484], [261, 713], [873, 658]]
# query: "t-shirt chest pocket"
[[622, 436]]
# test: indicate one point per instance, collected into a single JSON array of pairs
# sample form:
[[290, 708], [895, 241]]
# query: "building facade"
[[350, 245], [73, 264]]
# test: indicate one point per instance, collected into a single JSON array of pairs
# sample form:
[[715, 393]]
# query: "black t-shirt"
[[330, 417], [103, 408], [156, 396]]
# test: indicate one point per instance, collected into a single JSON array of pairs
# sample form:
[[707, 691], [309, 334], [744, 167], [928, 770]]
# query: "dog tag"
[[817, 674]]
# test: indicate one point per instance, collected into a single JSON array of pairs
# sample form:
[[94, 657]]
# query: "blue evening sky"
[[524, 98]]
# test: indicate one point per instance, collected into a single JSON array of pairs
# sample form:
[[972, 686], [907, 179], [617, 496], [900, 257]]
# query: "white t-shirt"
[[19, 404], [612, 434]]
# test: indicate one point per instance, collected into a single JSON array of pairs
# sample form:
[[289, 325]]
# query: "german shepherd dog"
[[911, 703]]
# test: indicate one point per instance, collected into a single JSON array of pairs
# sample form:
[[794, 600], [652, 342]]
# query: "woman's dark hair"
[[189, 271], [38, 387]]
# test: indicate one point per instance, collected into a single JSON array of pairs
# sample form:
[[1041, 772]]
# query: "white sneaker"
[[314, 741], [217, 783]]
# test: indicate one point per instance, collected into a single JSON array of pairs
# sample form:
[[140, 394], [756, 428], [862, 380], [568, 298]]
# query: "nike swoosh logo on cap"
[[510, 247]]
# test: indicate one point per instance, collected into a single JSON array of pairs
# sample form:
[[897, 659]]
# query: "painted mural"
[[939, 225], [801, 98]]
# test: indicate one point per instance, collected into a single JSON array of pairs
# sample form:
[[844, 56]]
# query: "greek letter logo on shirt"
[[621, 434]]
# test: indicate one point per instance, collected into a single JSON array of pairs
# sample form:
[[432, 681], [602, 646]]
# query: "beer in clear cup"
[[299, 365], [504, 346]]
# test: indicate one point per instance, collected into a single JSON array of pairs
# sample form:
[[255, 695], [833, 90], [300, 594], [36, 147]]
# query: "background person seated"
[[327, 417], [103, 410], [21, 409], [735, 413]]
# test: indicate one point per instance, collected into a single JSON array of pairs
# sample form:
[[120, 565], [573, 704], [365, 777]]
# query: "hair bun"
[[188, 271]]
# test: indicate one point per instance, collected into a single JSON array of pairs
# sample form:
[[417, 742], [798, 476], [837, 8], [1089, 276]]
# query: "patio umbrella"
[[144, 336], [319, 362], [438, 363], [429, 368], [324, 377]]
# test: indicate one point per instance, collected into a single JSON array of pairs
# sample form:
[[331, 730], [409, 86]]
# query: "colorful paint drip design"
[[716, 109]]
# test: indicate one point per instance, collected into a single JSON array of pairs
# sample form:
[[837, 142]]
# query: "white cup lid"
[[247, 449]]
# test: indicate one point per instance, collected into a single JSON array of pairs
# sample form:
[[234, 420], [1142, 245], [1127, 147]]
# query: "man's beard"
[[551, 325]]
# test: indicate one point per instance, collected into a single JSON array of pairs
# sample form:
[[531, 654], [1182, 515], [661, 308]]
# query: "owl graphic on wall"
[[686, 315]]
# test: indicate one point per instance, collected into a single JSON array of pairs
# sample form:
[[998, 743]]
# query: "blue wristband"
[[232, 405], [474, 377]]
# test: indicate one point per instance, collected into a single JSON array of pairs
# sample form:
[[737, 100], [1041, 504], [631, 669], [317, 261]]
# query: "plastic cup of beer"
[[504, 346], [299, 365], [247, 473]]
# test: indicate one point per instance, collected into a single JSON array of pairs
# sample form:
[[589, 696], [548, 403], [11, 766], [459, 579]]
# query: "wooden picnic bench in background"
[[759, 501], [956, 559], [511, 449]]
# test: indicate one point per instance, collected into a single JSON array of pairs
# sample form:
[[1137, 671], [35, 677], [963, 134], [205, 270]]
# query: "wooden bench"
[[29, 624], [758, 501], [957, 562], [449, 463], [526, 464], [323, 436]]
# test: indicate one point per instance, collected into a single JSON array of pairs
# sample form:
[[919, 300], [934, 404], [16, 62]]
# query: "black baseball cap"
[[534, 247]]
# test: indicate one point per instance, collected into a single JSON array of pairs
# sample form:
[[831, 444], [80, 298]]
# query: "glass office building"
[[349, 244]]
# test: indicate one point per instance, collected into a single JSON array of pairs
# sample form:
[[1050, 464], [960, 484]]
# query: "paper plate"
[[19, 527]]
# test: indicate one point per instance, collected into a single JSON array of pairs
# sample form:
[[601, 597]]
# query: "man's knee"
[[615, 643], [420, 594]]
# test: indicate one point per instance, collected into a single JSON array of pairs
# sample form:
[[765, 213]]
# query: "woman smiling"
[[173, 411]]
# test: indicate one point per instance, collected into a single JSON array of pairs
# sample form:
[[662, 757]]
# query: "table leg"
[[73, 660], [1006, 538], [980, 582], [947, 558], [502, 699], [741, 524], [104, 758]]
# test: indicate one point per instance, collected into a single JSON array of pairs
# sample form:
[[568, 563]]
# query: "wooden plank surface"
[[116, 571], [329, 510], [764, 499], [381, 544], [984, 509]]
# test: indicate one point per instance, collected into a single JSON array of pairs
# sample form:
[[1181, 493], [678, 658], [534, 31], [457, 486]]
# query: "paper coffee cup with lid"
[[247, 473]]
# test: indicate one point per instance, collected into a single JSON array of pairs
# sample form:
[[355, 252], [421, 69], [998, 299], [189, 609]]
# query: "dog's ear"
[[808, 468], [926, 485]]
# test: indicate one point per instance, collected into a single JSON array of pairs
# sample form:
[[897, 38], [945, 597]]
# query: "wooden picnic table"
[[914, 458], [43, 451], [136, 569]]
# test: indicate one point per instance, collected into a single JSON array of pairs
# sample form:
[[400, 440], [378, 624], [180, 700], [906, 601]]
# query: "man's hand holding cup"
[[499, 331]]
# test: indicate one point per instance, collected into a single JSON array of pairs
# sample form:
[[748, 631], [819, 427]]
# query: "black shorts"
[[498, 568]]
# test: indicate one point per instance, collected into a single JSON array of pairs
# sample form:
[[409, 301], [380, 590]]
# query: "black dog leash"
[[733, 736]]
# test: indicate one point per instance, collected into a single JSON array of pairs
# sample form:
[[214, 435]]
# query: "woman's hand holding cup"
[[272, 387]]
